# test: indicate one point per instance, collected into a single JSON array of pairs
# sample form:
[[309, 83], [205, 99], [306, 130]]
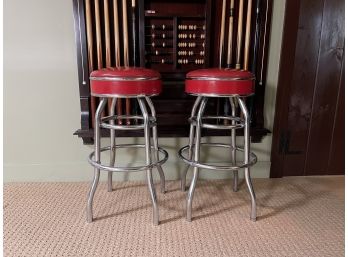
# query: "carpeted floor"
[[296, 217]]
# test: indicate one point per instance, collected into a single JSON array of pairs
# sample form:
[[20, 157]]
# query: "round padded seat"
[[220, 82], [128, 82]]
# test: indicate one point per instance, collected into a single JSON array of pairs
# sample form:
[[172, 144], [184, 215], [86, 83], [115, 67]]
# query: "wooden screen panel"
[[304, 73], [328, 78], [308, 130]]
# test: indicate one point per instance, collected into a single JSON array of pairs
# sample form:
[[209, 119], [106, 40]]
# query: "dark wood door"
[[308, 130]]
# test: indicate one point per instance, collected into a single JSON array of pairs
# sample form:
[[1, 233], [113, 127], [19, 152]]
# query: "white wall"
[[41, 99]]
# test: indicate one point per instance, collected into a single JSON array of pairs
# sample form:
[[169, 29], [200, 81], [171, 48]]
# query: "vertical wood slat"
[[117, 51], [222, 33], [117, 34], [126, 50], [134, 34], [89, 34], [240, 33], [230, 35], [107, 34], [98, 38], [125, 34], [247, 36], [90, 53], [98, 34], [337, 151], [107, 42]]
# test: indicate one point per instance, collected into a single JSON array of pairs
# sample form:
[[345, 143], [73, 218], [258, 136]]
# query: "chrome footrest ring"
[[239, 123], [128, 169], [253, 158], [104, 122]]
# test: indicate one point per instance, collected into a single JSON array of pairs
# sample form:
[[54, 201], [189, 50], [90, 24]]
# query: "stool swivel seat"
[[233, 85], [116, 83]]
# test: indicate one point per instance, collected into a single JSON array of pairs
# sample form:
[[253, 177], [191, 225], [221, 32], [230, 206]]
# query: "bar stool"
[[224, 83], [117, 83]]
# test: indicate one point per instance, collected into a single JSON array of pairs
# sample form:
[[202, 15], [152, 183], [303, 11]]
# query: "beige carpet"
[[297, 217]]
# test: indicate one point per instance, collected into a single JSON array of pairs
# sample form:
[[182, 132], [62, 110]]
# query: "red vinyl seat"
[[130, 81], [220, 82]]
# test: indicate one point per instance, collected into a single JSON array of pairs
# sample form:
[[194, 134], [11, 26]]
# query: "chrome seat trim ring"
[[124, 78], [222, 78]]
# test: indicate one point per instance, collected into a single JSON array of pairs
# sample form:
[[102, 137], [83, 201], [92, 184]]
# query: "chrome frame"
[[149, 122], [246, 158], [196, 124], [155, 143], [191, 138], [233, 145], [97, 159], [196, 159], [112, 143]]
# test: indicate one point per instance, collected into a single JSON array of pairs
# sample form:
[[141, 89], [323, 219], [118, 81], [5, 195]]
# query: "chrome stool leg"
[[233, 145], [196, 159], [191, 138], [148, 160], [112, 144], [97, 159], [155, 145], [247, 157]]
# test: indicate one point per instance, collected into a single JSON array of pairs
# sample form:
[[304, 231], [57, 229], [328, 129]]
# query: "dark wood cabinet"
[[173, 37]]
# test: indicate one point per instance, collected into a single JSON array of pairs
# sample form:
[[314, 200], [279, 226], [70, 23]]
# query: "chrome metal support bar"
[[191, 138], [112, 143], [150, 184], [97, 158], [196, 159], [246, 158], [233, 145], [155, 144]]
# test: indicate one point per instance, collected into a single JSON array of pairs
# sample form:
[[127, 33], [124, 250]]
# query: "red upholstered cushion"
[[220, 82], [130, 81]]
